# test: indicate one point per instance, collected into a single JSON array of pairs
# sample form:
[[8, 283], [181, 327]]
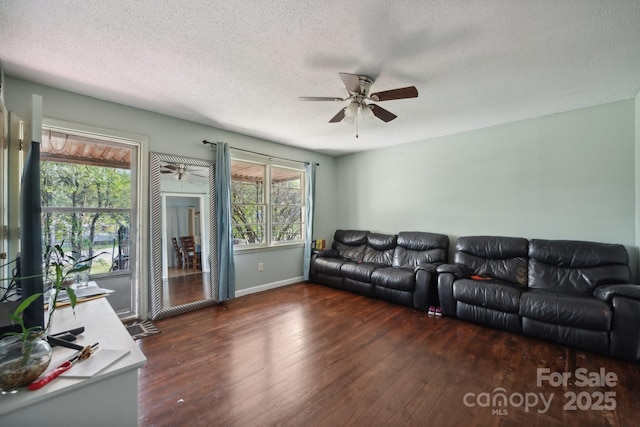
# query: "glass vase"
[[21, 363]]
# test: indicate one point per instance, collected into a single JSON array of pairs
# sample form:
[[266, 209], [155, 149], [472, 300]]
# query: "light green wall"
[[564, 176], [175, 136], [637, 158]]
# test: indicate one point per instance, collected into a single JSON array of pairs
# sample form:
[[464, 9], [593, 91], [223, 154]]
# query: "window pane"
[[77, 185], [248, 203], [84, 234], [286, 196], [247, 172], [286, 214], [248, 224], [286, 186], [287, 200], [88, 208], [248, 234], [243, 192], [287, 232]]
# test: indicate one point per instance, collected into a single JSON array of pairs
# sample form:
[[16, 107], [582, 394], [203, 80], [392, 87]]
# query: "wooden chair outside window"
[[191, 256]]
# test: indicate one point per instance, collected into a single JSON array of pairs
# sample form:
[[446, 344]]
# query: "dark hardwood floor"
[[309, 355], [181, 289]]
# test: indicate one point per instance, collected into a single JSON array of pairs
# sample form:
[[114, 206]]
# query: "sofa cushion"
[[351, 237], [329, 266], [503, 258], [595, 341], [576, 266], [358, 271], [403, 279], [415, 247], [380, 248], [492, 294], [350, 244], [566, 309]]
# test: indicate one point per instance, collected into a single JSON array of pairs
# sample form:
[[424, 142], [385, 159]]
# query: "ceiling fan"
[[358, 88], [180, 171]]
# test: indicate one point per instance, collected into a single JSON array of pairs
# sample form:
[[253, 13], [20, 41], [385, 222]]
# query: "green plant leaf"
[[25, 303], [72, 297]]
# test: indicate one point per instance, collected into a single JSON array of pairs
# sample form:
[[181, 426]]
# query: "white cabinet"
[[109, 398]]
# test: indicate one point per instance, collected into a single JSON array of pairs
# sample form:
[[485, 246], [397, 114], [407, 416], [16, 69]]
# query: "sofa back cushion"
[[576, 266], [380, 248], [417, 247], [503, 258], [350, 244]]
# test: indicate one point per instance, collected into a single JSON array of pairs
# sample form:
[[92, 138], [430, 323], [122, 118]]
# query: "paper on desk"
[[86, 292], [94, 364]]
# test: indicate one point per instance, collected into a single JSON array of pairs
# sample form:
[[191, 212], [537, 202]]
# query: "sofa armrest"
[[429, 267], [458, 270], [326, 253], [446, 300], [425, 293], [607, 292]]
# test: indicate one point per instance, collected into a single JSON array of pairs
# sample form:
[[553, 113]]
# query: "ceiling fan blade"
[[351, 82], [320, 98], [381, 113], [338, 117], [402, 93]]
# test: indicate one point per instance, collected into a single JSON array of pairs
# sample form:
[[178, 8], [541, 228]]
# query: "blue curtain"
[[226, 264], [310, 184]]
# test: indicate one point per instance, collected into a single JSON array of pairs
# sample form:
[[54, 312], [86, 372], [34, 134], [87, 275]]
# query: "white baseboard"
[[268, 286]]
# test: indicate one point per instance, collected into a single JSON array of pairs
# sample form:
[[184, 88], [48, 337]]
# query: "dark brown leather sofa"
[[400, 268], [575, 293]]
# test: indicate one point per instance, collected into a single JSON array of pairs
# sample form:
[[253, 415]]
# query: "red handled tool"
[[83, 354]]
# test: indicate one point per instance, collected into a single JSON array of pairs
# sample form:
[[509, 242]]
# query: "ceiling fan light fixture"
[[358, 87], [349, 119], [366, 112], [352, 110]]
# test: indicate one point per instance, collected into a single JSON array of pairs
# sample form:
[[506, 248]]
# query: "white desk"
[[110, 398]]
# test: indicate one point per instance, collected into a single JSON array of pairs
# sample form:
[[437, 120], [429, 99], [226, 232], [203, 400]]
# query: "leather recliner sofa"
[[398, 268], [574, 293]]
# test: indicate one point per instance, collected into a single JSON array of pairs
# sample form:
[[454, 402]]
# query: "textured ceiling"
[[241, 66]]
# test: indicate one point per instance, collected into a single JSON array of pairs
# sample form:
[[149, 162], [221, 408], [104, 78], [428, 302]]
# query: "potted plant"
[[26, 354]]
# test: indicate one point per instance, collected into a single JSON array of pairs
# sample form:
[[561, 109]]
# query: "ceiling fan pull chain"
[[357, 124]]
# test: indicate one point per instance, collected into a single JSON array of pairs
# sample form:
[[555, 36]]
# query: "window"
[[87, 201], [267, 203], [90, 200]]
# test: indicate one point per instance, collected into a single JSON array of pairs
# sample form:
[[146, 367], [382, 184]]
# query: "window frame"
[[139, 206], [269, 164]]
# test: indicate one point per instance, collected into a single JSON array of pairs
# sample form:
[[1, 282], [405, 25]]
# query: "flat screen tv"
[[31, 237]]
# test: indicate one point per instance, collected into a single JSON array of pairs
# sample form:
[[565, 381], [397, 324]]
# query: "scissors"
[[81, 355]]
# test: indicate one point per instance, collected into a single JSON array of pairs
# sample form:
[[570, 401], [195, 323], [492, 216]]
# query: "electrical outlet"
[[260, 266]]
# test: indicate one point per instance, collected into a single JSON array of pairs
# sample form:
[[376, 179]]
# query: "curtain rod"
[[204, 141]]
